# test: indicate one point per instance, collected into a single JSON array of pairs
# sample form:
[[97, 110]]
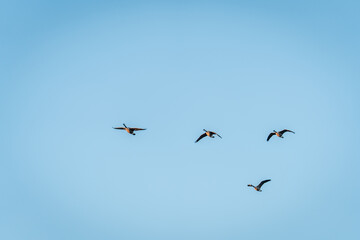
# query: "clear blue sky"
[[72, 70]]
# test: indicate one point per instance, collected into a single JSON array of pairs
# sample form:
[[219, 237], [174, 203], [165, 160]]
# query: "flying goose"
[[258, 187], [209, 134], [129, 130], [279, 134]]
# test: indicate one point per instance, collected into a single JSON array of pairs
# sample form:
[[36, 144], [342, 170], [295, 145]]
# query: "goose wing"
[[270, 135], [216, 134], [285, 130], [202, 135], [262, 183], [120, 128], [137, 129]]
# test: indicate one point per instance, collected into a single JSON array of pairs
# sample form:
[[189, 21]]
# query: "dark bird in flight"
[[279, 134], [129, 130], [258, 187], [209, 134]]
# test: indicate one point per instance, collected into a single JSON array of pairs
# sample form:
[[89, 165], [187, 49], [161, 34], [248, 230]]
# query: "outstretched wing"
[[202, 135], [270, 135], [262, 183], [137, 129], [215, 134], [285, 130], [120, 128]]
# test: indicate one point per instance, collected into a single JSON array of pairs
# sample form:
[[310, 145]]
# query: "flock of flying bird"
[[212, 135]]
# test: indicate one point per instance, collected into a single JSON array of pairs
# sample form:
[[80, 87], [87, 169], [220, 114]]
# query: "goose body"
[[279, 134], [129, 130], [209, 134], [258, 187]]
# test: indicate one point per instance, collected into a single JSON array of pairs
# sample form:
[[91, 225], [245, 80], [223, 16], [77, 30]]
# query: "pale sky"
[[72, 70]]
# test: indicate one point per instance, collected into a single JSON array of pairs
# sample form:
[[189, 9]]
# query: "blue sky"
[[72, 70]]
